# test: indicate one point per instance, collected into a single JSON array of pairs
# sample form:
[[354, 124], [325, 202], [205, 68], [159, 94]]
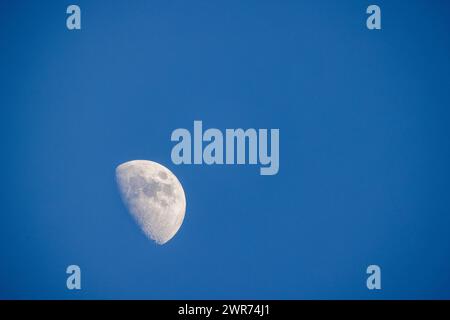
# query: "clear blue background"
[[364, 137]]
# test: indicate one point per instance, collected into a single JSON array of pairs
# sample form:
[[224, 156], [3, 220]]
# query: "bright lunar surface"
[[154, 197]]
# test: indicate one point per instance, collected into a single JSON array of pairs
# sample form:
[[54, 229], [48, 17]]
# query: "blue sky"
[[364, 151]]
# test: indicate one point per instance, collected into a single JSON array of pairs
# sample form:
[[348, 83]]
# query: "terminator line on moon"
[[154, 197]]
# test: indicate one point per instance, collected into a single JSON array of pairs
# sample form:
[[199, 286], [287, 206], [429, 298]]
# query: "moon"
[[153, 196]]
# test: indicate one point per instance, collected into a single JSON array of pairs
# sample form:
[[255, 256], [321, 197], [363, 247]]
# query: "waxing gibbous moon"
[[154, 197]]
